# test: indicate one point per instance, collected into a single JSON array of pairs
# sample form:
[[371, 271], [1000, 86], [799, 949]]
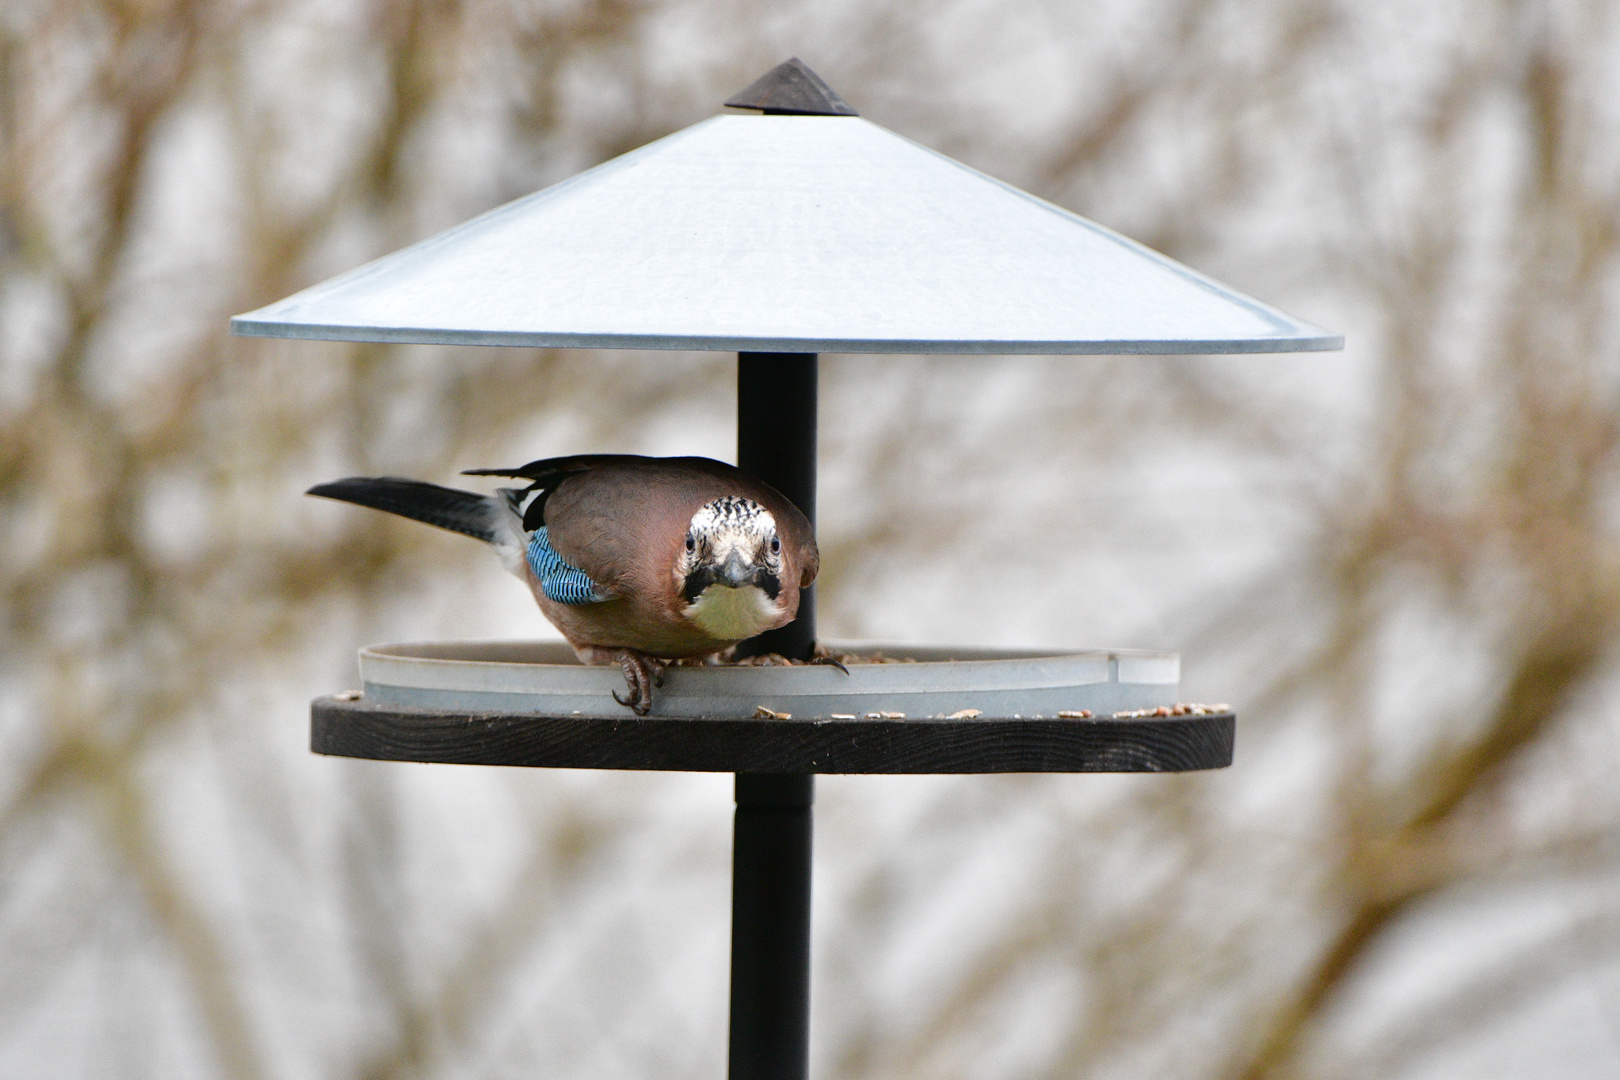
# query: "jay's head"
[[731, 543], [730, 569]]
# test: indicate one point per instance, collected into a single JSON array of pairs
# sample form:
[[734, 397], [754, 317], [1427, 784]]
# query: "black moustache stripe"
[[704, 576], [697, 581], [767, 583]]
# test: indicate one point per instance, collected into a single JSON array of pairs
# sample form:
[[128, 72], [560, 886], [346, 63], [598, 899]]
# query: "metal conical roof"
[[786, 233]]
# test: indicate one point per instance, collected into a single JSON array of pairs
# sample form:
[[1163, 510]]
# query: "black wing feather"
[[465, 512], [547, 473]]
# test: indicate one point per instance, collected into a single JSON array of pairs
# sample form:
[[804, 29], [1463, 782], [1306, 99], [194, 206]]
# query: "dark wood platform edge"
[[980, 745]]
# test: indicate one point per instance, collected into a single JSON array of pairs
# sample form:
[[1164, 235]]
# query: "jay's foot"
[[641, 674]]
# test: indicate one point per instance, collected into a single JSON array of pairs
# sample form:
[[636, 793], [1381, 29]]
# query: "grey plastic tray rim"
[[542, 677]]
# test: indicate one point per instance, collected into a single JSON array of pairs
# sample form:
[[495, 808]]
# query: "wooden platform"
[[979, 745]]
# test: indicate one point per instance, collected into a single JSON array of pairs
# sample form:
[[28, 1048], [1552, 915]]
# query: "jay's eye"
[[691, 543], [776, 545]]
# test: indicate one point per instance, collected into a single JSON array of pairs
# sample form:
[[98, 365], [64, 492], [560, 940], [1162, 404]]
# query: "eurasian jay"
[[636, 560]]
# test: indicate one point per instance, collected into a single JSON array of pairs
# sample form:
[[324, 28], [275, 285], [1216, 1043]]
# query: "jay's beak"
[[737, 571]]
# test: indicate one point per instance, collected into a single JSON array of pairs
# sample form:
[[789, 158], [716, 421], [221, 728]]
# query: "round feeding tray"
[[924, 709]]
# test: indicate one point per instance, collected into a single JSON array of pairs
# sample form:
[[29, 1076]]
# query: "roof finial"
[[791, 88]]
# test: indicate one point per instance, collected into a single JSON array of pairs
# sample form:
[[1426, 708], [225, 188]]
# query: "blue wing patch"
[[560, 582]]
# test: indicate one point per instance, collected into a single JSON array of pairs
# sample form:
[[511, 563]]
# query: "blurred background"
[[1398, 562]]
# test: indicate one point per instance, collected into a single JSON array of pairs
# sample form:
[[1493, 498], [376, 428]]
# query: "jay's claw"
[[826, 657], [635, 705]]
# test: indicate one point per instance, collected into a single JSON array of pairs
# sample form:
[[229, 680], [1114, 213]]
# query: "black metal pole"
[[770, 928], [776, 441], [770, 867]]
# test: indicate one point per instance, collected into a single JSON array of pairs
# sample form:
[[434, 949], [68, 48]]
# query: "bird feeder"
[[795, 229]]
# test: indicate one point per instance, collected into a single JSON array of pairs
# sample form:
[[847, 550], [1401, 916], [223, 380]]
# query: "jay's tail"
[[494, 520]]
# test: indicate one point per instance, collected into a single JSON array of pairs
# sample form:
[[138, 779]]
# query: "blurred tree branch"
[[165, 164]]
